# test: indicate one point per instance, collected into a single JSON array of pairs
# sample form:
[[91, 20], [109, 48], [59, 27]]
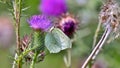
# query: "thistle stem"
[[97, 48], [33, 61], [14, 62], [17, 13], [26, 52], [67, 58]]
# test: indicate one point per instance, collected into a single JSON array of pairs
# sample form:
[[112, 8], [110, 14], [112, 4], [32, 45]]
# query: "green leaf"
[[56, 40]]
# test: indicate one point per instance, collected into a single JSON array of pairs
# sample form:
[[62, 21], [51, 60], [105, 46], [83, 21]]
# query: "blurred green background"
[[86, 12]]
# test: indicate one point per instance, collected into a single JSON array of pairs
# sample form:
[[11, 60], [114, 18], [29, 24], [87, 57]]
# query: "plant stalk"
[[97, 48], [67, 58], [95, 41], [14, 62], [17, 15], [33, 61]]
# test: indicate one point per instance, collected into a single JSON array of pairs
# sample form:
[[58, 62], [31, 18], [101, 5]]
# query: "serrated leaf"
[[56, 40]]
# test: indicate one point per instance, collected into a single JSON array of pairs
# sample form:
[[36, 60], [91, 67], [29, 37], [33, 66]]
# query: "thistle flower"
[[40, 22], [68, 25], [53, 7]]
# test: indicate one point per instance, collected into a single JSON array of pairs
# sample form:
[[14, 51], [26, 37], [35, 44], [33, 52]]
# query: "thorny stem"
[[14, 62], [97, 48], [67, 58], [33, 61], [26, 52], [17, 13]]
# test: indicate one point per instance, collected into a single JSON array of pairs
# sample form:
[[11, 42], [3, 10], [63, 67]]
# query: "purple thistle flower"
[[53, 7], [40, 22]]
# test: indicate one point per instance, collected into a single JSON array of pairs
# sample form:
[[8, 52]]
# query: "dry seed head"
[[110, 15]]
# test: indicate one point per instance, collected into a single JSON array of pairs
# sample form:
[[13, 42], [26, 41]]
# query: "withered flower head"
[[110, 15]]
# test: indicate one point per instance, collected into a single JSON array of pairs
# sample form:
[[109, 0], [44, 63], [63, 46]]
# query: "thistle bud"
[[25, 42], [68, 25]]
